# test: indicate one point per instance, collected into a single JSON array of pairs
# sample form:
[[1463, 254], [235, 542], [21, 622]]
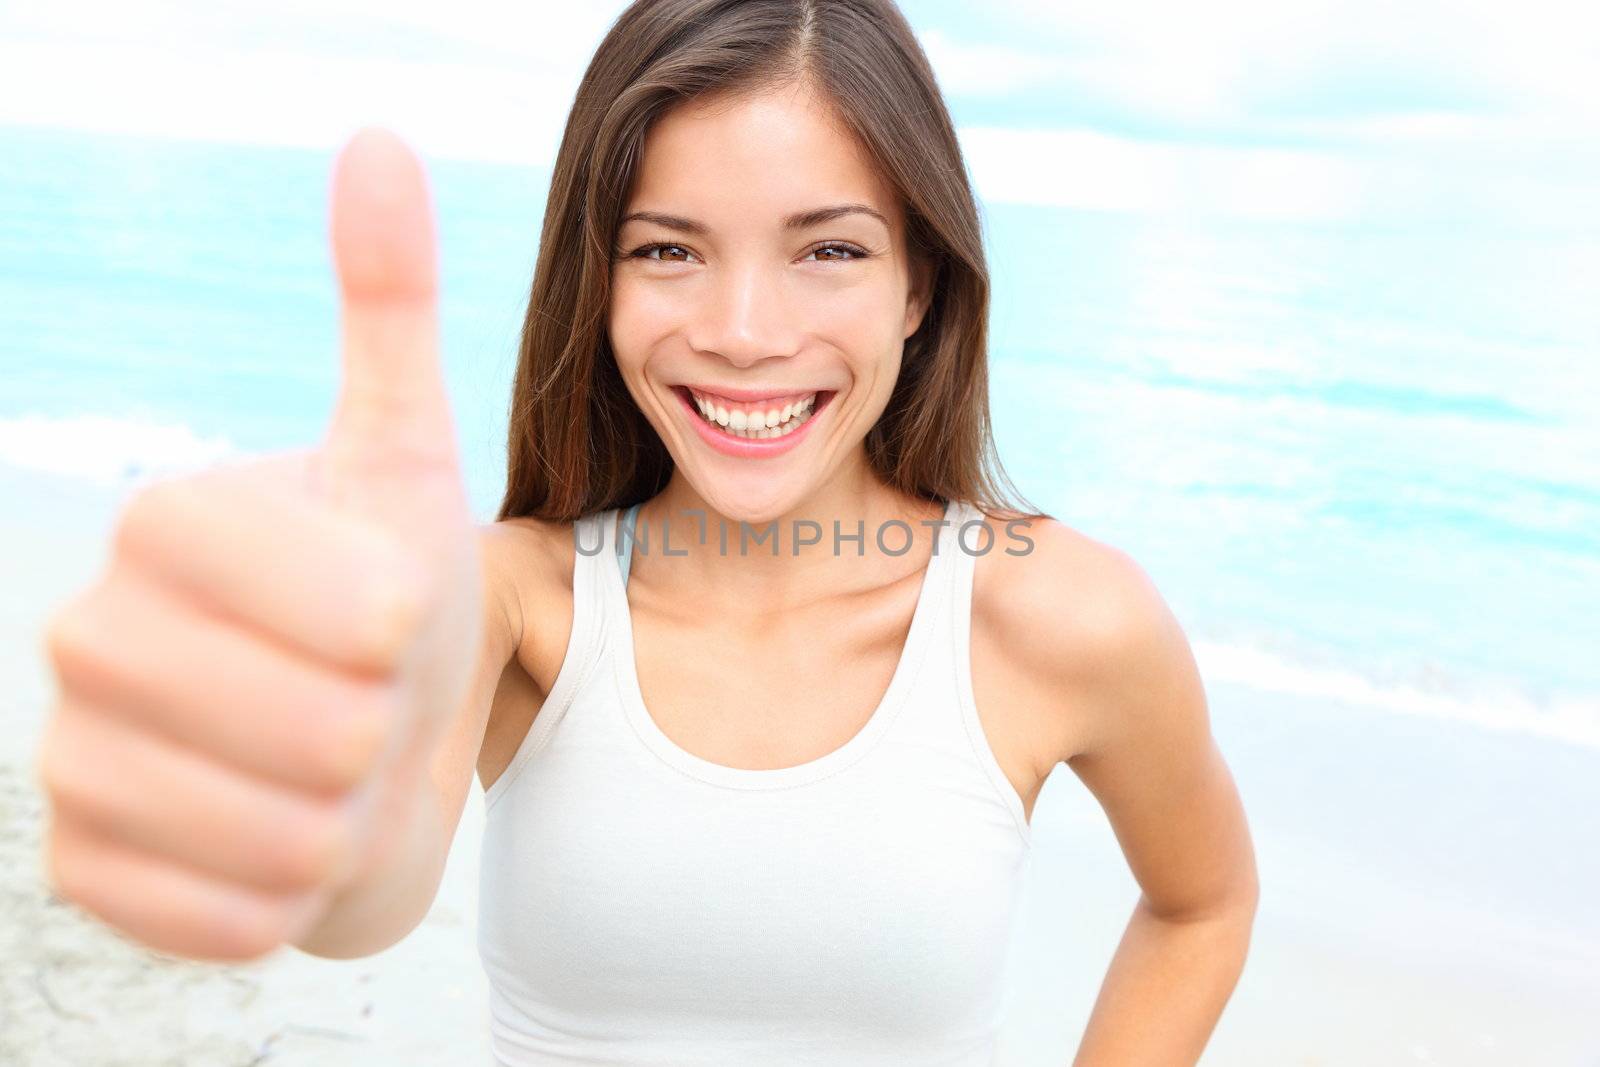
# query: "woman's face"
[[761, 274]]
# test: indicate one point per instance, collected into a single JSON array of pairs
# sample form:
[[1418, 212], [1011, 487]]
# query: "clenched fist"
[[249, 693]]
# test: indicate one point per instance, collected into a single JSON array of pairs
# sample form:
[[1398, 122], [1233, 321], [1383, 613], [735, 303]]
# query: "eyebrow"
[[798, 221]]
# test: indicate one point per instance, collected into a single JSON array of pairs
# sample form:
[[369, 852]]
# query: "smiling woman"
[[868, 208], [762, 300], [743, 807]]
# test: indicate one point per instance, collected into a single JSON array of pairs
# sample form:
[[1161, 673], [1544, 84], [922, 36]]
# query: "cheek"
[[634, 321], [867, 327]]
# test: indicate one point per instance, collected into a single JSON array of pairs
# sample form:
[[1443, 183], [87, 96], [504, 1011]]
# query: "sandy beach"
[[1370, 948]]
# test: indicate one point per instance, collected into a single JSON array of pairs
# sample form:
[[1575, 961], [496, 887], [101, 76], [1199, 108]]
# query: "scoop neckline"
[[626, 670]]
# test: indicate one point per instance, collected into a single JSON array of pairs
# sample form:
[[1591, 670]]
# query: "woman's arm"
[[1125, 672], [393, 897], [1154, 767], [1166, 987]]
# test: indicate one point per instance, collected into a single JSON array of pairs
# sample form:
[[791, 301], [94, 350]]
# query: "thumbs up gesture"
[[249, 695]]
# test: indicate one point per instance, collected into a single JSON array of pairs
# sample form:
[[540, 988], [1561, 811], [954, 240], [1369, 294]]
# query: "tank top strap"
[[626, 537], [950, 578], [971, 539], [967, 540]]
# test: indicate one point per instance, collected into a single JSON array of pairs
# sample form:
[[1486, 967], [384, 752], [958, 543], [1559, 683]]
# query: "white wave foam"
[[1571, 720], [107, 449]]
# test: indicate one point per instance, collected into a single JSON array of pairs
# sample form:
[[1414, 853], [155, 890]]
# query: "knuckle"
[[147, 512], [64, 865], [73, 772], [59, 772], [248, 927], [47, 759], [311, 855], [69, 637], [75, 868], [393, 604], [291, 913], [350, 740]]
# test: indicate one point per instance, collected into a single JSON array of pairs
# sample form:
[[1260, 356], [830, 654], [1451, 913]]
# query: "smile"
[[756, 427], [777, 417]]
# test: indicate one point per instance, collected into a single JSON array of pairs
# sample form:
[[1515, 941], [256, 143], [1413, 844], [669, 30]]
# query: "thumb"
[[392, 409]]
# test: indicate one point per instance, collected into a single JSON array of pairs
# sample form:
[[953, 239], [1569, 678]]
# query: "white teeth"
[[759, 425]]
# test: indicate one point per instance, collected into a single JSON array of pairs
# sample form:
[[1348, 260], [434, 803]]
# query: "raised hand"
[[250, 693]]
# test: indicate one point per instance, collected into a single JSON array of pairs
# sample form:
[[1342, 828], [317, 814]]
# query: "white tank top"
[[642, 905]]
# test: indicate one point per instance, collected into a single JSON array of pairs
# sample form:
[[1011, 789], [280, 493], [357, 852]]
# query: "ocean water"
[[1360, 464]]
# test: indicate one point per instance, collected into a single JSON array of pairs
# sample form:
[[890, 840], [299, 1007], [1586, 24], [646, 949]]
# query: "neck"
[[726, 556]]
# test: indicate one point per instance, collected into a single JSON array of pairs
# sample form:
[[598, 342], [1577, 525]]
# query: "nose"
[[745, 317]]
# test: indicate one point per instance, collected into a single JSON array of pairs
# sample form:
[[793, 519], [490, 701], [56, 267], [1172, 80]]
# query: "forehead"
[[755, 155]]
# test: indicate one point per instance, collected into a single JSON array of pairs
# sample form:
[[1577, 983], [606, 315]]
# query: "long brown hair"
[[578, 443]]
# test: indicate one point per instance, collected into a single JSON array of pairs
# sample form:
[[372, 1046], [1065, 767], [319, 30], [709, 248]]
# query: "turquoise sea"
[[1359, 461]]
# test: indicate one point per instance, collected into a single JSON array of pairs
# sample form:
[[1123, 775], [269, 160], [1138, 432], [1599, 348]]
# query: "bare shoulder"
[[528, 567], [1080, 622], [1110, 669], [528, 564]]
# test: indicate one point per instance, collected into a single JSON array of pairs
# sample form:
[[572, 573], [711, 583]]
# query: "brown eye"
[[837, 253], [675, 252]]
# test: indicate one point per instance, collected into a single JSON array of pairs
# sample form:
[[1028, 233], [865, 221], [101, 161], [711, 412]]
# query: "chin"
[[749, 499]]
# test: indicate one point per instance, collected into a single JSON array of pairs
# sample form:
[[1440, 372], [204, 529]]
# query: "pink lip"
[[743, 447], [750, 396]]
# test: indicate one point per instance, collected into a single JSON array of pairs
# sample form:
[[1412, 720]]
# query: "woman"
[[760, 673]]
